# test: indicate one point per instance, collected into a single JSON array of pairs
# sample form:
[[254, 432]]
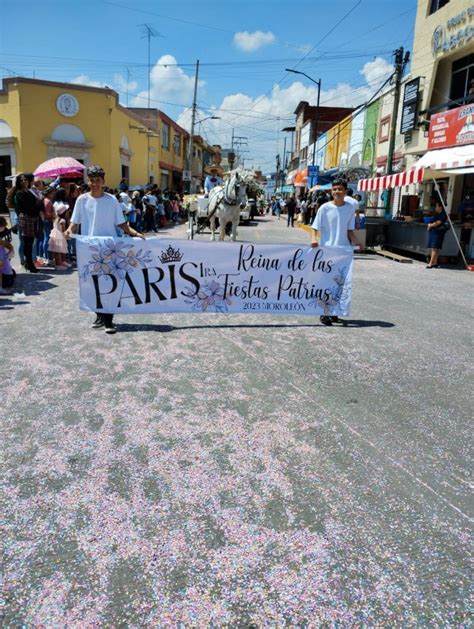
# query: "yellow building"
[[169, 163], [338, 140], [43, 119]]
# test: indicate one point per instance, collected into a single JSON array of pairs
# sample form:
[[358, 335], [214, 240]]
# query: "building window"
[[384, 130], [165, 137], [177, 144], [436, 5], [461, 78]]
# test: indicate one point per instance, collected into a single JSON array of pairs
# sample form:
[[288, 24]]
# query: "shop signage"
[[410, 105], [163, 276], [452, 128], [67, 105], [459, 30]]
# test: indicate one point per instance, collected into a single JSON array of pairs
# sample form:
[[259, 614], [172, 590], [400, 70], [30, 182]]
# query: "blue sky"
[[243, 48]]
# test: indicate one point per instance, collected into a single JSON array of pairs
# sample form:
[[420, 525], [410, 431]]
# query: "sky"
[[243, 49]]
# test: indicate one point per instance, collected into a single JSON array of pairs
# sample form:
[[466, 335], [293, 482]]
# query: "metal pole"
[[399, 65], [449, 219], [193, 121]]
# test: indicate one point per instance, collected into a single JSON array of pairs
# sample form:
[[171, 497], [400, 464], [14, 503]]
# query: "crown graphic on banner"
[[171, 255]]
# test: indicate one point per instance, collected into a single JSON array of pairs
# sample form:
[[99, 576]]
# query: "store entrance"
[[5, 171]]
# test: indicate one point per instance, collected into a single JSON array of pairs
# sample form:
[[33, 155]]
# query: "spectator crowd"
[[41, 213]]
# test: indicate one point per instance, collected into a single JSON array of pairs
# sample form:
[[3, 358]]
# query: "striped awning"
[[450, 159], [397, 180]]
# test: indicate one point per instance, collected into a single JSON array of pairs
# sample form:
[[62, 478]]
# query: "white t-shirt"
[[333, 221], [150, 199], [352, 201], [97, 216]]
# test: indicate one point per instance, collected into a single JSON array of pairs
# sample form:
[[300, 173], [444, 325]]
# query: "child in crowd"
[[175, 211], [57, 240], [7, 274]]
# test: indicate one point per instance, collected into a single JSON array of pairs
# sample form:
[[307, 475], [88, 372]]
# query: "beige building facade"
[[443, 60]]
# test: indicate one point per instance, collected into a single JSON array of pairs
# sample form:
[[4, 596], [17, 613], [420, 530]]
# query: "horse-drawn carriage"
[[227, 203]]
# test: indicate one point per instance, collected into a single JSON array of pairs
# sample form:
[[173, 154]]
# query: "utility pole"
[[401, 61], [128, 81], [148, 33], [189, 155]]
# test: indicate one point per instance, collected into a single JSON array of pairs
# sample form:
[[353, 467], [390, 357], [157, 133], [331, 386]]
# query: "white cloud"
[[168, 83], [248, 42], [374, 70], [83, 79], [120, 83]]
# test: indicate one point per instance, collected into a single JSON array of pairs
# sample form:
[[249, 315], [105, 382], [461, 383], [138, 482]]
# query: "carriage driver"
[[213, 180]]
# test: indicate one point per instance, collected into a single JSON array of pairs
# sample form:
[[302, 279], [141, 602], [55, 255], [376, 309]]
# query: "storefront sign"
[[124, 275], [452, 128], [459, 31], [410, 105]]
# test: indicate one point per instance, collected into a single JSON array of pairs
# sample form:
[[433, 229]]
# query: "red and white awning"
[[396, 180], [456, 160]]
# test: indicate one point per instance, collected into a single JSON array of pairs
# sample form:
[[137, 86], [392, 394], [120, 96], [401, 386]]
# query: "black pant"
[[107, 318], [28, 249]]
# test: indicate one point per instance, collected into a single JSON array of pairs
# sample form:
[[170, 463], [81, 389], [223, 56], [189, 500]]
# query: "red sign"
[[452, 128]]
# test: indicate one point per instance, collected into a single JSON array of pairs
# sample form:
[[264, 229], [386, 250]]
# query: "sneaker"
[[61, 267], [99, 322], [68, 265], [39, 263], [110, 328], [325, 320]]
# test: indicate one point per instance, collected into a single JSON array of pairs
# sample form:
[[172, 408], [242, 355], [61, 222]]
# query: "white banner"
[[128, 275]]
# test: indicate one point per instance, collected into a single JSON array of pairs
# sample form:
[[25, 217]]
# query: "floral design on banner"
[[115, 258], [340, 294], [210, 298]]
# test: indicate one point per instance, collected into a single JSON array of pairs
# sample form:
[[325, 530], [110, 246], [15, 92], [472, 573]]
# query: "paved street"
[[240, 470]]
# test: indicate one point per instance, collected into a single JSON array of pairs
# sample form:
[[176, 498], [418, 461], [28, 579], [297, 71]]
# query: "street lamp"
[[189, 156], [207, 118], [316, 120]]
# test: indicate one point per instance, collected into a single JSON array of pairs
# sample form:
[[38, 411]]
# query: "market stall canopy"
[[286, 189], [323, 186], [301, 178], [455, 160], [64, 166]]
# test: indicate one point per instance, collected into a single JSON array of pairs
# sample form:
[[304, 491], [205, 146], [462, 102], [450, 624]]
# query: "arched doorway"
[[7, 160], [67, 140]]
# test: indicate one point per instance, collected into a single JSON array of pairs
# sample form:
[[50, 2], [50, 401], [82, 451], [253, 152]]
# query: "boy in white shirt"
[[335, 222], [99, 213]]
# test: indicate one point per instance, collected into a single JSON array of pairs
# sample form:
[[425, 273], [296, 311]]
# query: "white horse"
[[225, 202]]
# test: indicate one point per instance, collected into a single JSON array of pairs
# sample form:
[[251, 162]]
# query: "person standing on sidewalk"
[[99, 214], [291, 209], [335, 222]]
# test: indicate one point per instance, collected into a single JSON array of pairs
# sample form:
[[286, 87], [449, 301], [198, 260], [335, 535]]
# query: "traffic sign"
[[313, 171], [186, 175]]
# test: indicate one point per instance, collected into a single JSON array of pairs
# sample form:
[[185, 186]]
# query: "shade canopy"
[[301, 178], [455, 160]]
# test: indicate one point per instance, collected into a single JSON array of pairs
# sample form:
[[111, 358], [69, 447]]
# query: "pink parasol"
[[66, 166]]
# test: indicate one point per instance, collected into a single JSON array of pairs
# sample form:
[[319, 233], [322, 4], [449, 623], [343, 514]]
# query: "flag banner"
[[157, 275]]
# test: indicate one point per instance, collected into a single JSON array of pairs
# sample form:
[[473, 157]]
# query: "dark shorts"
[[435, 239]]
